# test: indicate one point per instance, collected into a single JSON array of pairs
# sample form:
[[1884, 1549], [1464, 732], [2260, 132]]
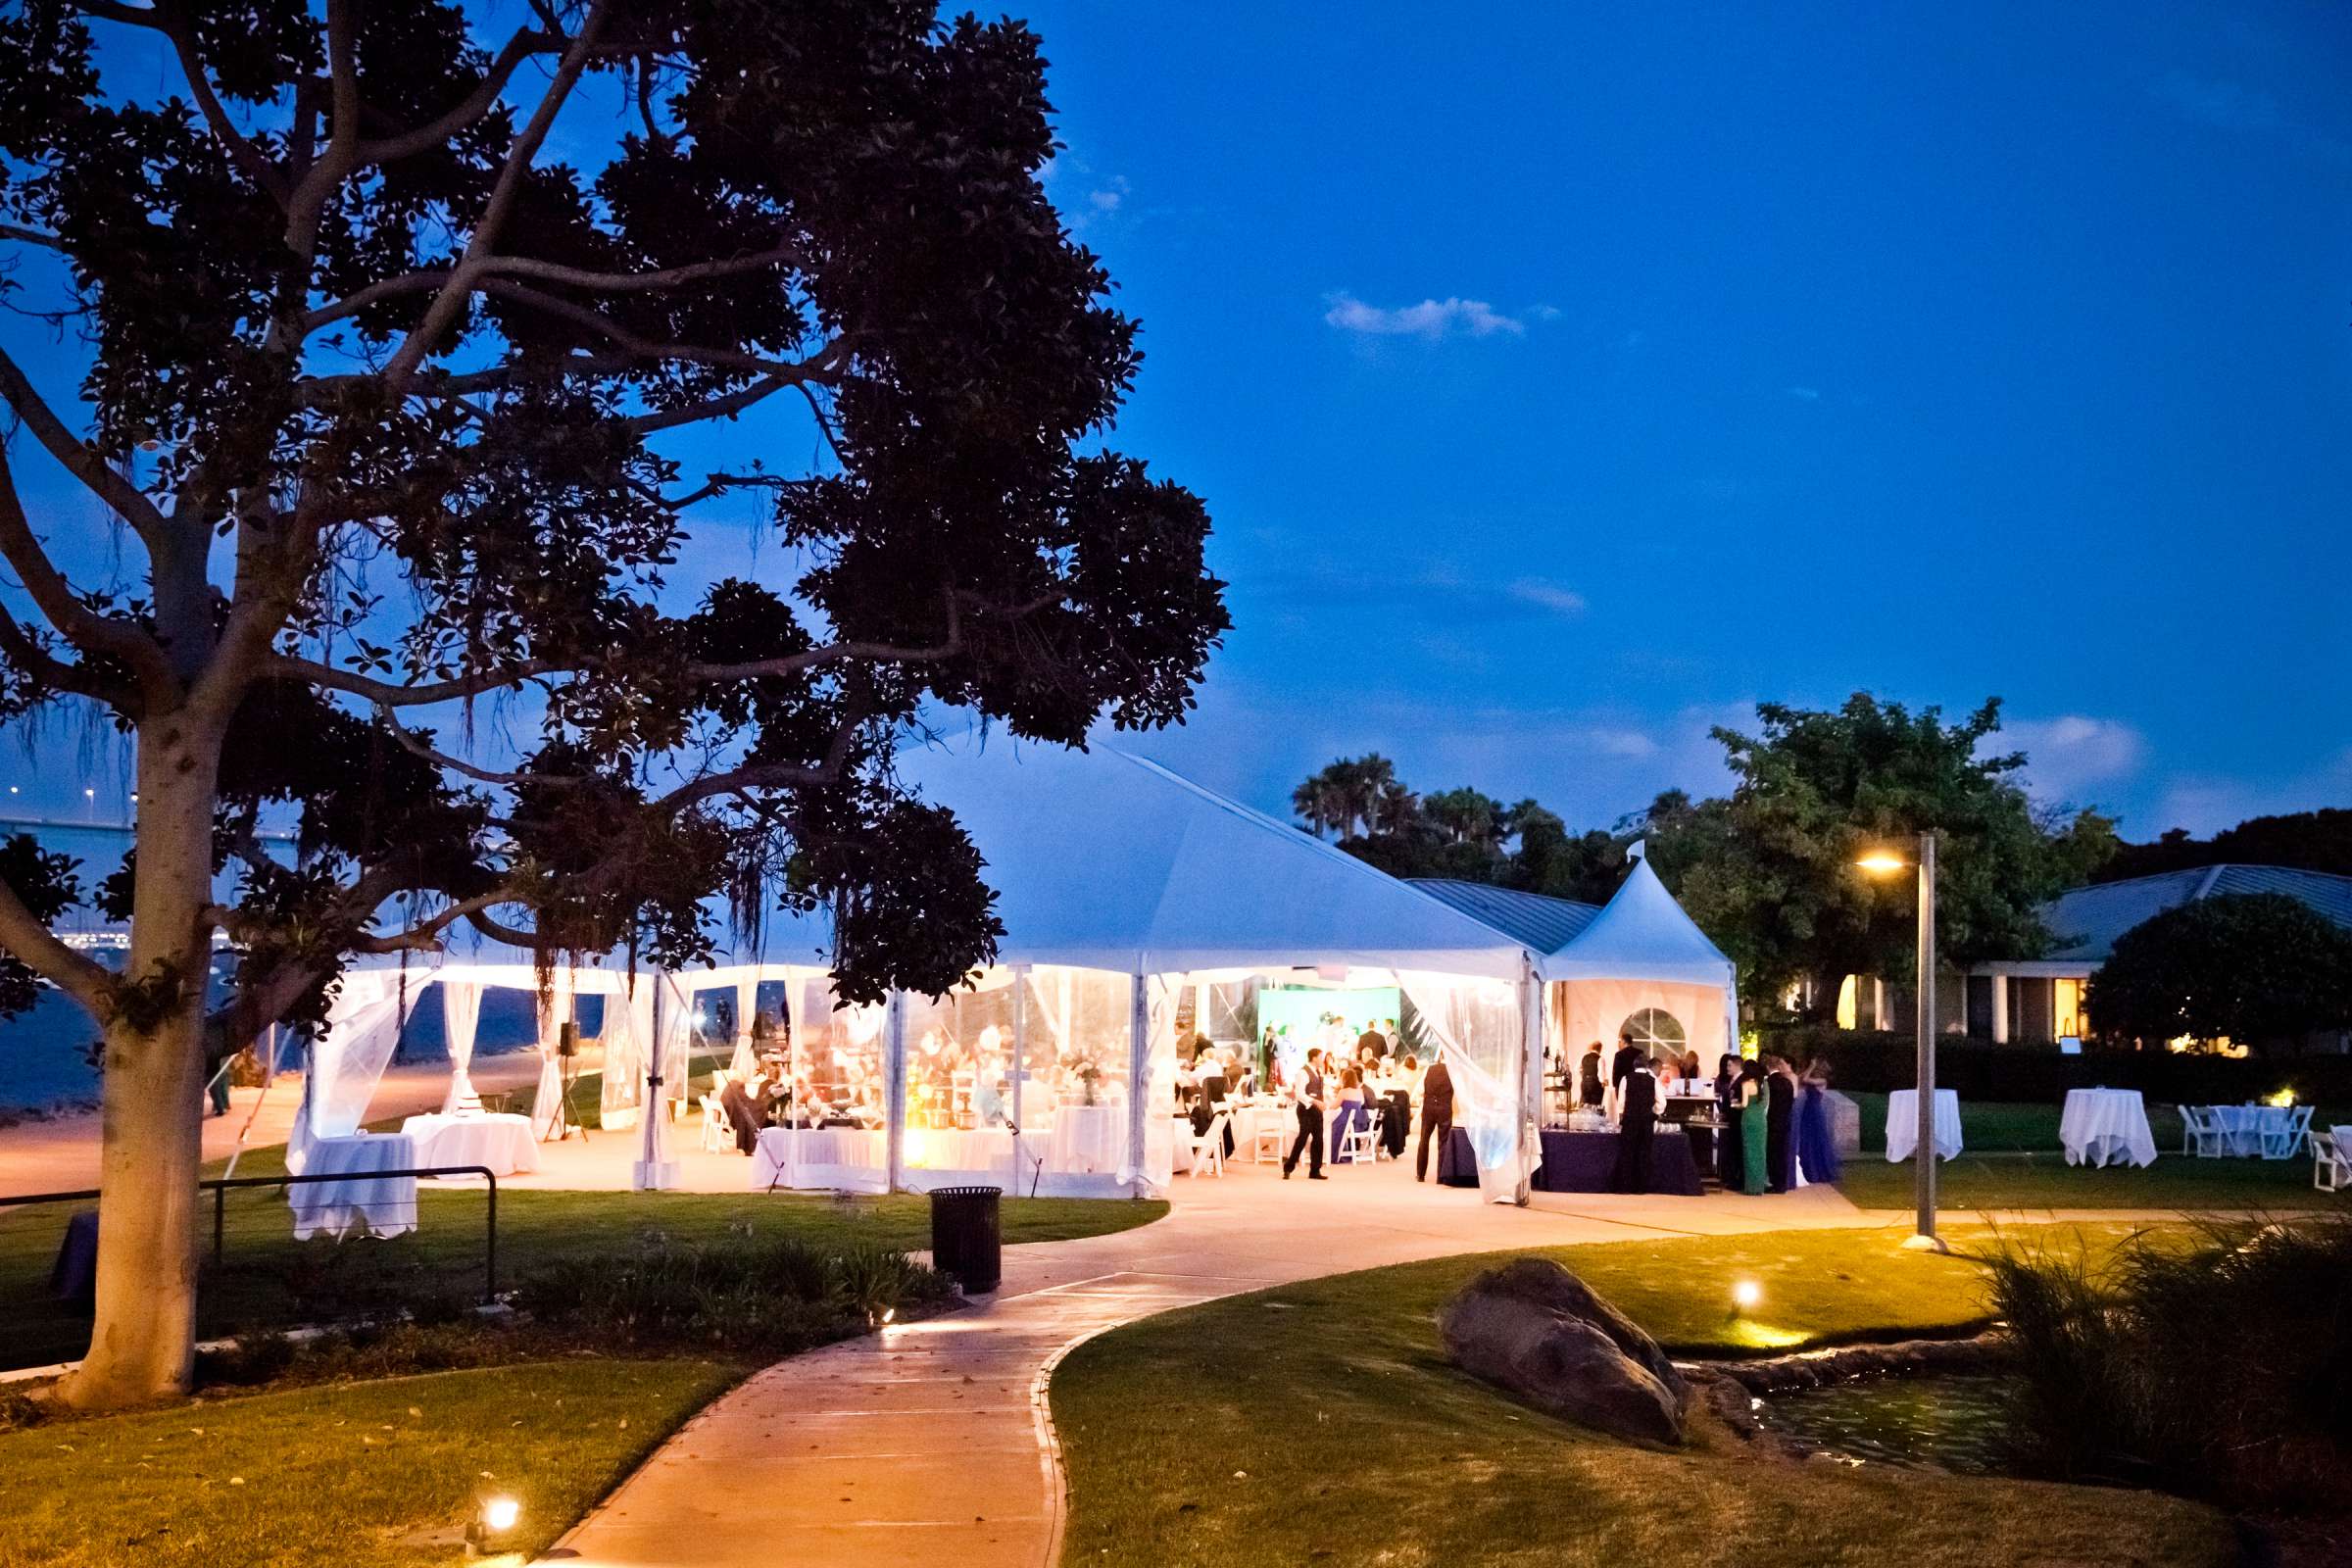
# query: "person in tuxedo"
[[1780, 1126], [1212, 1099], [747, 1112], [1591, 1092], [1637, 1121], [1731, 1158], [1622, 1065], [1307, 1095], [1437, 1116]]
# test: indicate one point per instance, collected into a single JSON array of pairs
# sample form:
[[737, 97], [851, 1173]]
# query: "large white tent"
[[1125, 892], [1640, 954]]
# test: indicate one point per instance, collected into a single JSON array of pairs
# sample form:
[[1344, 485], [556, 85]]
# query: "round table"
[[1902, 1124], [2100, 1126], [359, 1194]]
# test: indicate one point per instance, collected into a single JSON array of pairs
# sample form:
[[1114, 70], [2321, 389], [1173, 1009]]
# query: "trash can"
[[967, 1237]]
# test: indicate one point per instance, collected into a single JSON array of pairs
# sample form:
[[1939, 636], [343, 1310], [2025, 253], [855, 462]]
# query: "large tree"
[[1772, 878], [404, 420], [2260, 969]]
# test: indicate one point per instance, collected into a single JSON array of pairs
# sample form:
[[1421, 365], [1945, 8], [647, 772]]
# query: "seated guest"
[[1352, 1114], [1689, 1072], [747, 1111]]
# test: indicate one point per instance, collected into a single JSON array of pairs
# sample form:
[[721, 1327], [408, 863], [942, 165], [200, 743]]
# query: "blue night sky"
[[1560, 392]]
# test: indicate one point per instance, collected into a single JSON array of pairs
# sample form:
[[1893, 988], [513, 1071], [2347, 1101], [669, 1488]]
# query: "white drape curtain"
[[627, 1037], [1598, 1009], [347, 1058], [745, 1061], [674, 1036], [461, 1012], [1480, 1027], [554, 1010], [1156, 1085]]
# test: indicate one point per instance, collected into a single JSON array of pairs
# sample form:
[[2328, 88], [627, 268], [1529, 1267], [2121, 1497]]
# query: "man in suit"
[[1436, 1117], [1637, 1113], [1307, 1095], [747, 1114], [1621, 1067]]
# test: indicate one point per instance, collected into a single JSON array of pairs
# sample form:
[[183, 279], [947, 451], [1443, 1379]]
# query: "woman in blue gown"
[[1816, 1138]]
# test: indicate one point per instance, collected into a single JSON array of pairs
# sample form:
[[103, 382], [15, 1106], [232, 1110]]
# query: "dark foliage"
[[2259, 968], [2309, 841], [2040, 1074], [2219, 1369]]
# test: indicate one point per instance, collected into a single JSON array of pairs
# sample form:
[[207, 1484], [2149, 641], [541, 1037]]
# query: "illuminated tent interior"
[[1136, 904]]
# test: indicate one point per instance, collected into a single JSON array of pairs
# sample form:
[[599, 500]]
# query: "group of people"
[[769, 1099], [1348, 1092], [1771, 1123]]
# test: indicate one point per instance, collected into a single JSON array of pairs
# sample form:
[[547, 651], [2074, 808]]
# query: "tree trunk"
[[143, 1338]]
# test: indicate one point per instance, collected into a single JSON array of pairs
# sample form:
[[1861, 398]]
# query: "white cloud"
[[2205, 804], [1805, 394], [1547, 596], [2067, 753], [1431, 320], [1104, 201]]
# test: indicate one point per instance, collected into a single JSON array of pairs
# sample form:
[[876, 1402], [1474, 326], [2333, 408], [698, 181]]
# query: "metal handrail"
[[220, 1184]]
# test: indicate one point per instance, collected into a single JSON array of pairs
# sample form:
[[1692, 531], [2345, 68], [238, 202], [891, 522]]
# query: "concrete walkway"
[[931, 1444]]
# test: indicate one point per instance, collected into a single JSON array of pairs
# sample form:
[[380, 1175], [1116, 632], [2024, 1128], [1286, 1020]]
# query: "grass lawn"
[[2046, 1181], [1320, 1421], [342, 1474], [272, 1280]]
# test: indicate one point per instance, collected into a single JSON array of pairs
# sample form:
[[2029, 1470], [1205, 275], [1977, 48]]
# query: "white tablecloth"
[[1252, 1115], [502, 1143], [386, 1205], [819, 1156], [2244, 1127], [1084, 1140], [1902, 1123], [2100, 1126]]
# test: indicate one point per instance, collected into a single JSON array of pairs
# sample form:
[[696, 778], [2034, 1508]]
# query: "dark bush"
[[768, 1297], [2219, 1369], [1874, 1063]]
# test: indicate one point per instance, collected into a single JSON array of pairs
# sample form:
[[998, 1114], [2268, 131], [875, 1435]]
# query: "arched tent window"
[[1656, 1030]]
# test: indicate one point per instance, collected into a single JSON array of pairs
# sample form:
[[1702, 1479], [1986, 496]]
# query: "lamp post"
[[1881, 864]]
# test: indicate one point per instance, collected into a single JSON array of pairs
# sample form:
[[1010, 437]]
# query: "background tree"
[[402, 421], [2262, 969], [1775, 883], [1352, 794], [2311, 841]]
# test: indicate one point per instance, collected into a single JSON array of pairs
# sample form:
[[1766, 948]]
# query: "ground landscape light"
[[1747, 1294]]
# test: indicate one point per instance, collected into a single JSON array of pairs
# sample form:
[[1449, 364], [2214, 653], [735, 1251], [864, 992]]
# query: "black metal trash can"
[[967, 1238]]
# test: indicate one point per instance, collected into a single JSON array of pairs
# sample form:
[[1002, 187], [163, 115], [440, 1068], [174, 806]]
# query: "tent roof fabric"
[[2087, 920], [1102, 859], [1640, 934], [1539, 921]]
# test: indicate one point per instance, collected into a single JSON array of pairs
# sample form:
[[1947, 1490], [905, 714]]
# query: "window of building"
[[1656, 1030]]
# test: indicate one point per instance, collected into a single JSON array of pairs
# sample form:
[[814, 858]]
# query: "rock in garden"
[[1537, 1330]]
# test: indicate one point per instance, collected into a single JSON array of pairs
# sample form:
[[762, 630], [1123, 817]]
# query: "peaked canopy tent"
[[1120, 885], [1642, 963]]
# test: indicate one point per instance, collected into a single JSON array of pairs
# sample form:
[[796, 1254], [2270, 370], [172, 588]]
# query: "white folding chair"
[[1265, 1140], [1357, 1148], [2285, 1139], [2201, 1131], [1209, 1148], [2332, 1159], [719, 1134]]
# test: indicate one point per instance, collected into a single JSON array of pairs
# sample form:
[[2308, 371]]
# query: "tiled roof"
[[2087, 920], [1543, 923]]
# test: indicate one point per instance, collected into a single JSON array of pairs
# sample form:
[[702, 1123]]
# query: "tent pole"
[[1138, 1073], [894, 1089]]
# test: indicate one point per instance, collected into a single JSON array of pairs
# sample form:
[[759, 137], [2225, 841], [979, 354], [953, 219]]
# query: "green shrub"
[[770, 1297], [2220, 1369], [1873, 1062]]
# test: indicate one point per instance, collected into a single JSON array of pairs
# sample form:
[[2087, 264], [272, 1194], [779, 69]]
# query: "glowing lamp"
[[2284, 1097], [497, 1516], [1745, 1294], [1879, 862]]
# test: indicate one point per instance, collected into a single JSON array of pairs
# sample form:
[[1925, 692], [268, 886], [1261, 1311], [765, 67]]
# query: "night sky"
[[1559, 393]]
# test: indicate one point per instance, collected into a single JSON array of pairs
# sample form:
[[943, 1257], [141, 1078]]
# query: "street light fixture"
[[1885, 862]]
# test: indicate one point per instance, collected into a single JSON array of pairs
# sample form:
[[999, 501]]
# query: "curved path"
[[931, 1445]]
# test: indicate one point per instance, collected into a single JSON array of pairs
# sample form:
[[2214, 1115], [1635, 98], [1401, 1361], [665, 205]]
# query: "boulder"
[[1537, 1330]]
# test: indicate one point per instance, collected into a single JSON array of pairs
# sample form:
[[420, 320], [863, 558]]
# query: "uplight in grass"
[[1745, 1294], [499, 1514]]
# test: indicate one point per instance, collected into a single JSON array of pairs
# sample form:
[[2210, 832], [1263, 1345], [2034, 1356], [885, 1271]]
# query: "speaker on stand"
[[567, 1053]]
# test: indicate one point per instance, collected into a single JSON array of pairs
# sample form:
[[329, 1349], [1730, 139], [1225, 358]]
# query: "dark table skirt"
[[1584, 1162]]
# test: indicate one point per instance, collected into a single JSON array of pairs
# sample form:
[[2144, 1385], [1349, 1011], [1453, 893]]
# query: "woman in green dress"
[[1754, 1132]]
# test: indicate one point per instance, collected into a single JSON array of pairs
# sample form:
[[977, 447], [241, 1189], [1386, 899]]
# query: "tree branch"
[[75, 973], [443, 311], [73, 455], [472, 106], [85, 628], [388, 694]]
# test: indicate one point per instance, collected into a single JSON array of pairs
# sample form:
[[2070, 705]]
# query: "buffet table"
[[844, 1157], [1086, 1140], [1584, 1163], [501, 1143], [362, 1196]]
